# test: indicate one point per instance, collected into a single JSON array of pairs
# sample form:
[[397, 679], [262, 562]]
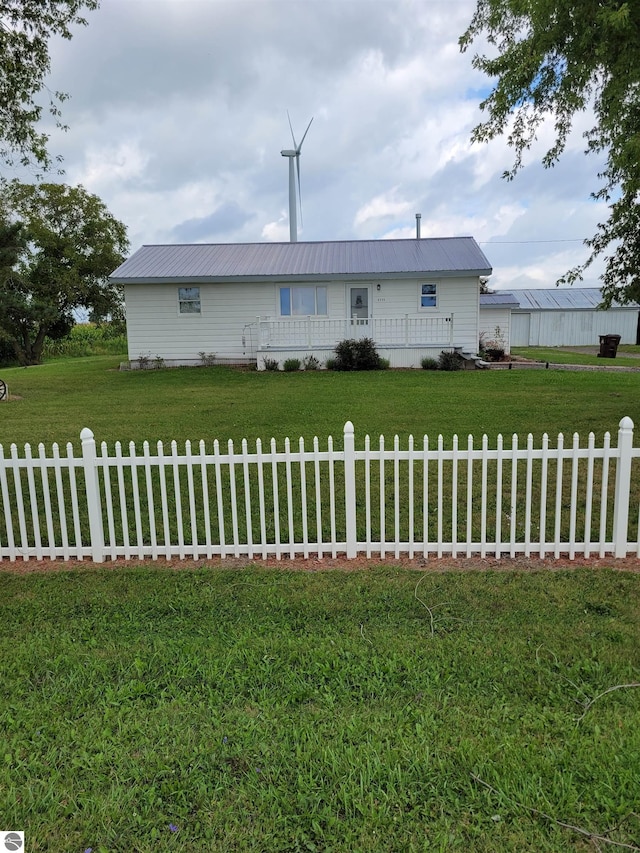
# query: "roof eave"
[[265, 279]]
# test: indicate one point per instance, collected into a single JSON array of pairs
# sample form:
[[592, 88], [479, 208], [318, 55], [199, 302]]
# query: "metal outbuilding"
[[570, 317]]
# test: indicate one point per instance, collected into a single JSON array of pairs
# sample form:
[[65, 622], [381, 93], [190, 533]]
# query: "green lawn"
[[556, 355], [257, 710], [260, 710], [58, 399]]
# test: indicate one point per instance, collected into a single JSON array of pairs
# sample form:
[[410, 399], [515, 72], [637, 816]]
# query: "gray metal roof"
[[564, 299], [446, 256], [499, 298]]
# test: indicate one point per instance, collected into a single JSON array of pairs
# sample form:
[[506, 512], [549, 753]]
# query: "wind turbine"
[[294, 154]]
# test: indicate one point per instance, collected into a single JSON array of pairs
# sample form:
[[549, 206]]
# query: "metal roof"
[[564, 299], [499, 298], [445, 256]]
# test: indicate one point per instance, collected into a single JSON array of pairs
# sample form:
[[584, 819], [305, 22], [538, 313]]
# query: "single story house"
[[570, 317], [242, 303]]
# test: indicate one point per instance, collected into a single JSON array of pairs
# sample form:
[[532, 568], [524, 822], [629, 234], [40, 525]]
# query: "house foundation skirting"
[[398, 356]]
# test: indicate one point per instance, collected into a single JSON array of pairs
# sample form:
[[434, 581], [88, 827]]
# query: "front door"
[[359, 311]]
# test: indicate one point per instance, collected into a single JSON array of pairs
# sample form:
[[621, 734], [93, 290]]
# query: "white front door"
[[359, 311]]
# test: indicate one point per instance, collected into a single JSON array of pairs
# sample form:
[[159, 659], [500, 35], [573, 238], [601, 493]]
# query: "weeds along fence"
[[420, 499]]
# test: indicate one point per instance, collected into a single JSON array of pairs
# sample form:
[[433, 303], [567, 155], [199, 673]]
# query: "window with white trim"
[[429, 294], [189, 300], [303, 301]]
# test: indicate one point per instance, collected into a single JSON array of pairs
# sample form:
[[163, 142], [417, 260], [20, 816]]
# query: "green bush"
[[291, 365], [361, 354], [450, 361], [271, 364], [429, 363]]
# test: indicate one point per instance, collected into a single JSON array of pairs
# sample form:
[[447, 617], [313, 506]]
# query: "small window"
[[189, 300], [429, 295], [303, 301]]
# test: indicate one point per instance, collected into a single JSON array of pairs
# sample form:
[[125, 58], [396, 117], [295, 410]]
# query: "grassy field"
[[221, 710], [57, 399]]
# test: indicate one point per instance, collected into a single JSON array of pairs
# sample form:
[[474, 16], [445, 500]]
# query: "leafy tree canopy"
[[553, 59], [58, 245], [26, 27]]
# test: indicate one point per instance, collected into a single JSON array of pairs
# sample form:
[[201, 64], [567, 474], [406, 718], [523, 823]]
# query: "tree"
[[58, 245], [557, 58], [26, 27]]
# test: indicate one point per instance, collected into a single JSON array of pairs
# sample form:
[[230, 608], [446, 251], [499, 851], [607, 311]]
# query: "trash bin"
[[608, 346]]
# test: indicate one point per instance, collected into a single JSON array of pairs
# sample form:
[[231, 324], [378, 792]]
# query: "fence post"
[[92, 487], [623, 488], [350, 489]]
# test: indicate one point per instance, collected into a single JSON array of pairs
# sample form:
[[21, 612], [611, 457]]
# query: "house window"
[[429, 295], [302, 301], [189, 300]]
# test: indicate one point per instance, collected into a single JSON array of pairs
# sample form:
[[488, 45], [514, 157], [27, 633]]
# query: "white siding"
[[495, 323], [155, 327], [575, 328], [457, 296]]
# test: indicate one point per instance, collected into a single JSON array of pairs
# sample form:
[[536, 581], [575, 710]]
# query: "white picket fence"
[[374, 501]]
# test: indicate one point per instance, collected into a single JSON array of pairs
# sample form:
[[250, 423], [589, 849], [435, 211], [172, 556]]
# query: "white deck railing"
[[417, 499], [324, 333]]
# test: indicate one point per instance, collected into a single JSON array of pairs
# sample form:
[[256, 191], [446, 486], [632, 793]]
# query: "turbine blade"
[[305, 133], [295, 144]]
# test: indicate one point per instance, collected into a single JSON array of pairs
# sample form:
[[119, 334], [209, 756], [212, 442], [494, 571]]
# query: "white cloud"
[[178, 111]]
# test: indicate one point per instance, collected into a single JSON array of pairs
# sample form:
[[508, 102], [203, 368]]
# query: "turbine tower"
[[294, 154]]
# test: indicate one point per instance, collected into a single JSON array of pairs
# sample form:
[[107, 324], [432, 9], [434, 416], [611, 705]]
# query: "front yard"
[[252, 710]]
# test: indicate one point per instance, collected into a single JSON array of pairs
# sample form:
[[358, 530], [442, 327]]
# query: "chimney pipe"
[[418, 218]]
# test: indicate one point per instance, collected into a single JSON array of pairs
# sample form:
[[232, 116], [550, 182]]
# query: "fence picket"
[[484, 496], [558, 512], [261, 499], [130, 509], [589, 494], [543, 495], [606, 461]]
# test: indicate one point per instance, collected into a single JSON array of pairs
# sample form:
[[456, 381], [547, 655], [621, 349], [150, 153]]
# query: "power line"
[[521, 242]]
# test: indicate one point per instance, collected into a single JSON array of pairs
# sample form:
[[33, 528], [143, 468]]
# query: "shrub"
[[384, 364], [361, 354], [158, 362], [207, 359], [429, 363], [330, 364], [310, 362], [449, 361], [291, 365], [271, 364]]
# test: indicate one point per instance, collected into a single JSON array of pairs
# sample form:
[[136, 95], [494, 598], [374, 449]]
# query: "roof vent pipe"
[[418, 218]]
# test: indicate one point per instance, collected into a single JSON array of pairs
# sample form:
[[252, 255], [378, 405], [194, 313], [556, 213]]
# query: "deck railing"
[[324, 333]]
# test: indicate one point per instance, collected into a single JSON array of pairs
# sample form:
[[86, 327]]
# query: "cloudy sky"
[[178, 114]]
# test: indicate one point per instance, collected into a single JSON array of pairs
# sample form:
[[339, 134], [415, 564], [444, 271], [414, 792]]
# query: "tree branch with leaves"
[[26, 27], [553, 59]]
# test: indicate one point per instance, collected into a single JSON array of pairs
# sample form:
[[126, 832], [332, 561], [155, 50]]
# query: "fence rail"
[[196, 502], [312, 332]]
